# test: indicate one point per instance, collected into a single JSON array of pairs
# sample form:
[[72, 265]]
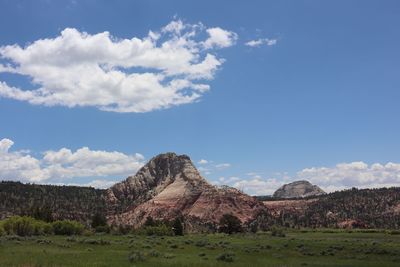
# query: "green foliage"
[[67, 227], [159, 230], [230, 224], [25, 226]]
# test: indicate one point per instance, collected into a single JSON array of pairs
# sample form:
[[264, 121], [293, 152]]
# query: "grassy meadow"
[[296, 248]]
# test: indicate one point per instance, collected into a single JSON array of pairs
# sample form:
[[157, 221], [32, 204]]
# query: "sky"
[[257, 94]]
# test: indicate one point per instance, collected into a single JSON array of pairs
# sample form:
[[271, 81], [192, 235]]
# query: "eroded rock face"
[[169, 186], [298, 189]]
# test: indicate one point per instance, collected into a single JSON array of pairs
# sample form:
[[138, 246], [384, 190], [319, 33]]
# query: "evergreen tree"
[[177, 226], [230, 224]]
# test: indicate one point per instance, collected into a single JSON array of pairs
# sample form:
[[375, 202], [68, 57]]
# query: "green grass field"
[[298, 248]]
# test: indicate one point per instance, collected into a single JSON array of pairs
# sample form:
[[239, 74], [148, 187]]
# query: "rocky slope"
[[169, 186], [298, 189]]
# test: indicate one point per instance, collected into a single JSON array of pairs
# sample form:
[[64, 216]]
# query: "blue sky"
[[320, 90]]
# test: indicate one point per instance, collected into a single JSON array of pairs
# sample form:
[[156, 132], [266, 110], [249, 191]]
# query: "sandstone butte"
[[169, 186]]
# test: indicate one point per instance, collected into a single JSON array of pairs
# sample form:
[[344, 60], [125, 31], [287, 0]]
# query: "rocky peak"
[[298, 189], [169, 185], [153, 178]]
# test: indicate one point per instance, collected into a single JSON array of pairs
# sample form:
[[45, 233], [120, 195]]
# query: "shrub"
[[67, 227], [95, 242], [227, 257], [123, 229], [169, 256], [25, 226], [161, 230], [230, 224], [136, 256], [154, 253], [277, 232], [2, 232], [201, 243], [102, 229]]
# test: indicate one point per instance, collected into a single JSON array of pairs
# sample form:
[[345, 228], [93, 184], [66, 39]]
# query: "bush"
[[136, 256], [25, 226], [201, 243], [227, 257], [277, 232], [67, 227], [154, 253], [95, 242], [161, 230], [230, 224], [102, 229]]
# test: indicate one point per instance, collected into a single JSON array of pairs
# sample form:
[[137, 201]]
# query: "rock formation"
[[298, 189], [169, 186]]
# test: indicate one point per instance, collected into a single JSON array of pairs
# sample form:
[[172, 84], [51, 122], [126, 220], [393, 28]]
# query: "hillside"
[[50, 201], [170, 186], [354, 208]]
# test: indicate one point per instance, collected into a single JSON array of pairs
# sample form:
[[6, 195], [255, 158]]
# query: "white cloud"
[[354, 174], [258, 186], [58, 166], [220, 38], [202, 161], [164, 69], [340, 177], [262, 41]]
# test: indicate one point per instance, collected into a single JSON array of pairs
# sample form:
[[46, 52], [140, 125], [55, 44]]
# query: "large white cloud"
[[165, 68], [340, 177], [354, 174], [62, 165]]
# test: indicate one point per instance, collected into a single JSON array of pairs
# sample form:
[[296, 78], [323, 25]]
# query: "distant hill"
[[298, 189]]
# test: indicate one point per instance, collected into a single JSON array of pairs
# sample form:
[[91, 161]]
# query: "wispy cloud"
[[262, 41]]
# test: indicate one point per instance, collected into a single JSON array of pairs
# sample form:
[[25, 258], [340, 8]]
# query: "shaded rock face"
[[298, 189], [169, 186]]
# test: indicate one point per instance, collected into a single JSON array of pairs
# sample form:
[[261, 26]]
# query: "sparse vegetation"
[[303, 247]]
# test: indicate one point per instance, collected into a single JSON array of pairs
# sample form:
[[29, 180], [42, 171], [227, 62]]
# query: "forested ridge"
[[50, 202], [362, 208], [365, 208]]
